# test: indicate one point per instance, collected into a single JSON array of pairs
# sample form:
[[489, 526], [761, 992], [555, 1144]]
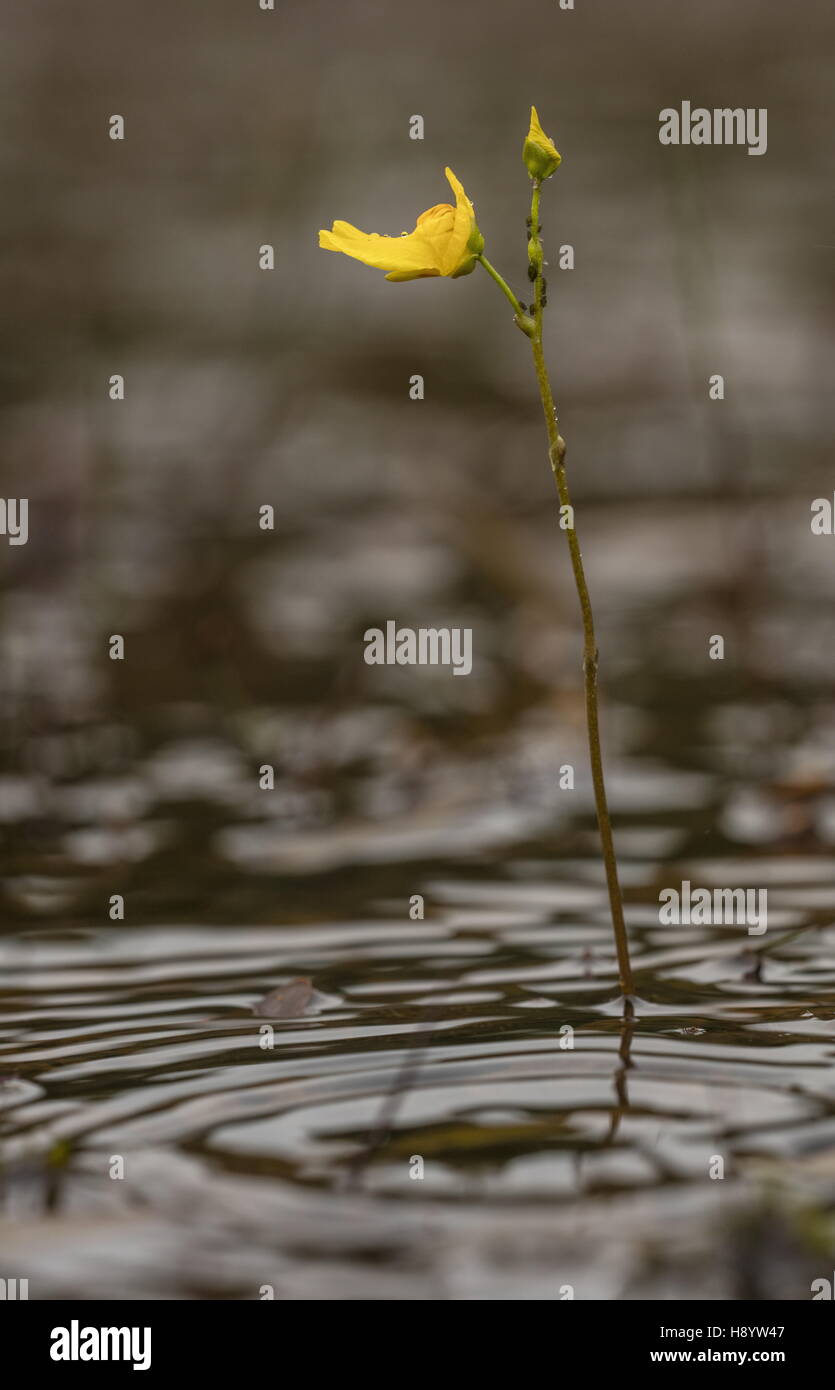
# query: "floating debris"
[[287, 1001]]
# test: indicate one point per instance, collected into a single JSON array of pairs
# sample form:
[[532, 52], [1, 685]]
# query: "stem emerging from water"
[[556, 454]]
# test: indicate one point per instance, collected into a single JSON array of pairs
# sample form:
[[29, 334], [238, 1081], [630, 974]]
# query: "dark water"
[[549, 1158]]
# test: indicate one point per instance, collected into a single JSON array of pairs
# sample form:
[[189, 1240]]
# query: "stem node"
[[557, 452]]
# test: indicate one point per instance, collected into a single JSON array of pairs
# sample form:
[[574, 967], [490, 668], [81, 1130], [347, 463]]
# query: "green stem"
[[502, 284], [556, 454]]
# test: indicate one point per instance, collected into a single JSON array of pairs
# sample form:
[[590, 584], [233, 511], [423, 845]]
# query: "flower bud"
[[541, 156]]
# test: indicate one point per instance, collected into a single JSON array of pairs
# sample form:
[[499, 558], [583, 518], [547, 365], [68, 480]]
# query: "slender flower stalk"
[[447, 242], [503, 286], [531, 325]]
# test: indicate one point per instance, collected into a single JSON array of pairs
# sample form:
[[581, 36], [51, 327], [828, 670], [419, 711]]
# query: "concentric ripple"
[[477, 1063]]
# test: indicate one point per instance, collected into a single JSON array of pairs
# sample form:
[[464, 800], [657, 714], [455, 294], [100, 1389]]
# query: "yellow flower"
[[541, 156], [446, 241]]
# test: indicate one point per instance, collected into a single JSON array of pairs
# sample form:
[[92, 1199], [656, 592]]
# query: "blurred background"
[[243, 647]]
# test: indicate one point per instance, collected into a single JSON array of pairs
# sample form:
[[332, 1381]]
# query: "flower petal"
[[411, 274], [441, 243], [455, 251], [393, 253]]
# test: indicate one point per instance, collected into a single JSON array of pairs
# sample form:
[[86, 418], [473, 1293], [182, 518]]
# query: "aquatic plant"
[[447, 242]]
